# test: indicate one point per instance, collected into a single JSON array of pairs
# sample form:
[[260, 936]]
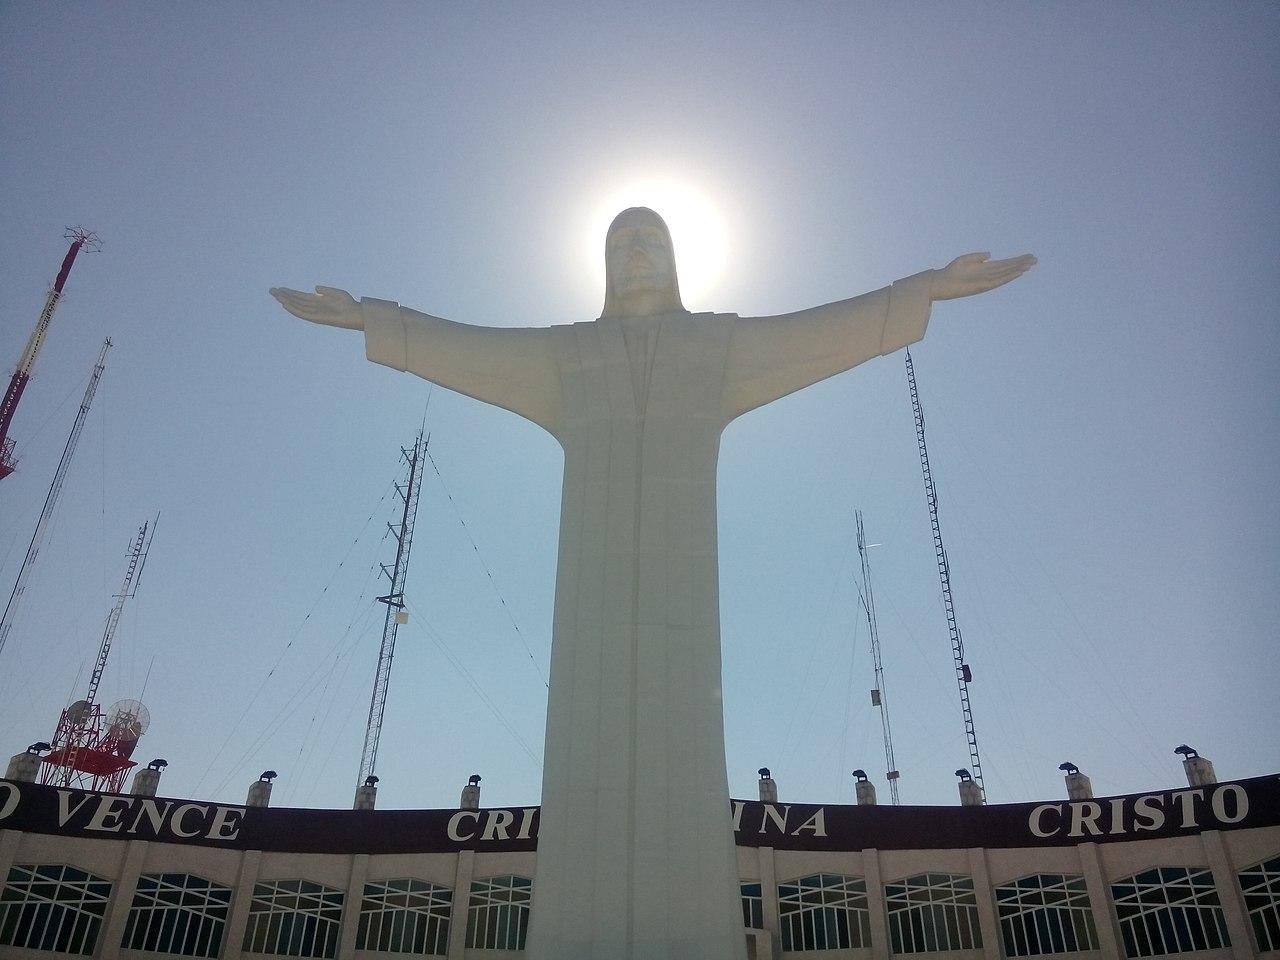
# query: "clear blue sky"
[[1104, 432]]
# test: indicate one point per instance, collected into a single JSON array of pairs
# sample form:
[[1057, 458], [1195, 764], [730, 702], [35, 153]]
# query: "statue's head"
[[640, 266]]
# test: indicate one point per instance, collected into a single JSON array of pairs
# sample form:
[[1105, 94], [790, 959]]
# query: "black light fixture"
[[1068, 768], [268, 776], [861, 775], [38, 747], [474, 780], [157, 764], [764, 773], [370, 781], [964, 775], [1187, 752]]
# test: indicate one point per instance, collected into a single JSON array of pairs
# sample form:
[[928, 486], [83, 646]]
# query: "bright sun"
[[697, 231]]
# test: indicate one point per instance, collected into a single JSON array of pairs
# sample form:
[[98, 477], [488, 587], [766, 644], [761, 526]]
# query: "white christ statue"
[[636, 856]]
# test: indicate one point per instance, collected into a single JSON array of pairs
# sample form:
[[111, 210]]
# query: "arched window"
[[294, 918], [1260, 885], [177, 913], [498, 915], [824, 911], [752, 906], [931, 912], [1169, 910], [1045, 913], [52, 907], [405, 916]]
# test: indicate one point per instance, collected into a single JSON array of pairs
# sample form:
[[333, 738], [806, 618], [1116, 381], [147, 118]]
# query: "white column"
[[351, 904], [462, 875], [986, 903], [8, 851], [233, 943], [122, 890], [1104, 920], [769, 897], [879, 915], [1233, 909]]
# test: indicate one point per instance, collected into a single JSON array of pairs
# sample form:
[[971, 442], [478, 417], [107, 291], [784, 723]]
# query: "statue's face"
[[638, 254]]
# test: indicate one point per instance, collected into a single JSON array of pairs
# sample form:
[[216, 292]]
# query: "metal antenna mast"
[[51, 498], [27, 362], [394, 600], [963, 674], [132, 577], [879, 697]]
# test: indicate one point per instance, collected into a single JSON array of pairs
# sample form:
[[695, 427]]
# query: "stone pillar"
[[8, 852], [1104, 920], [1079, 787], [238, 921], [351, 905], [768, 787], [122, 890], [1233, 908], [366, 795], [1199, 771], [987, 921], [260, 791], [470, 799], [146, 782], [462, 875], [769, 898], [23, 767], [878, 914]]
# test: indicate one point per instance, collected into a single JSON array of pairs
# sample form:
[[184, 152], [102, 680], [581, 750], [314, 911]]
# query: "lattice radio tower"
[[879, 697], [80, 239], [92, 747], [963, 674], [396, 613], [51, 498]]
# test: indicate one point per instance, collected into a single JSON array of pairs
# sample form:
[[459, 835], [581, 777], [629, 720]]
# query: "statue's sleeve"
[[770, 357], [510, 367]]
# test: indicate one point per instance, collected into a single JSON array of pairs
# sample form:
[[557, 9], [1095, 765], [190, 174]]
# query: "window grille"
[[1169, 910], [1260, 885], [52, 907], [498, 916], [824, 912], [932, 912], [1045, 913], [293, 918], [177, 913], [405, 916], [752, 906]]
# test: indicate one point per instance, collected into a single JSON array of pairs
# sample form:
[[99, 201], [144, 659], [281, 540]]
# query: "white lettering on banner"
[[1085, 813], [526, 823], [738, 806], [817, 823], [1117, 817], [65, 810], [176, 823], [456, 821], [10, 802], [1036, 820], [496, 827], [151, 810], [1187, 799], [771, 813], [1219, 803], [107, 809], [222, 820], [1148, 809]]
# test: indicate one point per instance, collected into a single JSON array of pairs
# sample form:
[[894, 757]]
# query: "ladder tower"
[[396, 614], [879, 697], [963, 674], [51, 498], [26, 363]]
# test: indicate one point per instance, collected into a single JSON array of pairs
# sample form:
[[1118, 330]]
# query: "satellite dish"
[[78, 713], [127, 721]]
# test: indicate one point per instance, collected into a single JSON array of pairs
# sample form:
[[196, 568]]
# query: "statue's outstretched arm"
[[510, 367], [770, 357]]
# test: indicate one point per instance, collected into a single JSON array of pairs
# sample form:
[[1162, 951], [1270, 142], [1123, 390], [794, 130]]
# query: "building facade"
[[1194, 870]]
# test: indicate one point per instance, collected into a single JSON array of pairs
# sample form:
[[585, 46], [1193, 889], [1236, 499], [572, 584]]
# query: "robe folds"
[[636, 857]]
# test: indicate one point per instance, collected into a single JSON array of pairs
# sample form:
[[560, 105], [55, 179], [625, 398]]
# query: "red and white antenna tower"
[[79, 240], [92, 747]]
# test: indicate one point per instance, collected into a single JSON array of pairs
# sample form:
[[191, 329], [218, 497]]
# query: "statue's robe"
[[636, 857]]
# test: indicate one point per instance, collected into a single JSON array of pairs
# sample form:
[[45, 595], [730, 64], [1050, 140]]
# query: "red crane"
[[79, 239]]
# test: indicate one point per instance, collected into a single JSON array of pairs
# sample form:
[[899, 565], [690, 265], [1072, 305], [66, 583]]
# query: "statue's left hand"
[[976, 273], [328, 305]]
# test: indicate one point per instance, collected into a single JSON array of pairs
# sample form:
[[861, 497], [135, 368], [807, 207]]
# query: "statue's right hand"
[[328, 305]]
